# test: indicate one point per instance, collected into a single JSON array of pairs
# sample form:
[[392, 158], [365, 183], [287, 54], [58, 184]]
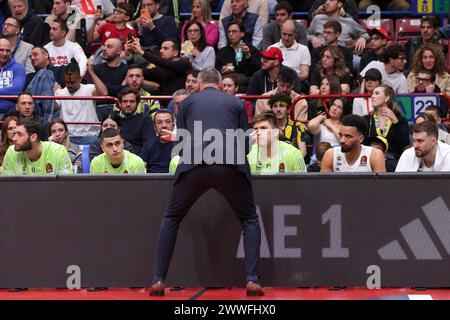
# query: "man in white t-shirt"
[[61, 51], [295, 55], [352, 155], [80, 110], [391, 69], [427, 152]]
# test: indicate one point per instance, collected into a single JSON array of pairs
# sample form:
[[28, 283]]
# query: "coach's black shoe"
[[157, 289], [254, 289]]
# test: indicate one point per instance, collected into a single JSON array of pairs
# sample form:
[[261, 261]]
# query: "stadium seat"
[[406, 28], [302, 21], [85, 161]]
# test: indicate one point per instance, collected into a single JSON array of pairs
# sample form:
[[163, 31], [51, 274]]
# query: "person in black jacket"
[[34, 30], [238, 57], [157, 153], [228, 172], [387, 121], [167, 68], [136, 128]]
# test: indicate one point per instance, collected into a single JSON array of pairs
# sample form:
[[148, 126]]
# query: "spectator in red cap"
[[273, 53], [265, 79], [377, 44]]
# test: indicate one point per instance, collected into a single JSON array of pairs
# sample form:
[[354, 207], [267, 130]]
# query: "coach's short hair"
[[210, 75]]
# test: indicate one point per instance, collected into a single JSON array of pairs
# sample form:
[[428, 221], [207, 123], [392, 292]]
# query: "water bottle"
[[239, 53]]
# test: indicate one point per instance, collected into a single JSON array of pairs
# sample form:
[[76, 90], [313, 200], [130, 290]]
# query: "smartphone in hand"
[[145, 13]]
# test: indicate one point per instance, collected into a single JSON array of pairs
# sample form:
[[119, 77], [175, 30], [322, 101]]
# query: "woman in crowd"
[[59, 133], [230, 86], [372, 80], [387, 121], [196, 48], [201, 12], [329, 85], [430, 57], [8, 131], [111, 121], [326, 126], [332, 62], [238, 57]]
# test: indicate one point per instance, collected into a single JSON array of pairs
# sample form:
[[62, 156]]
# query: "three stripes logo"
[[418, 239]]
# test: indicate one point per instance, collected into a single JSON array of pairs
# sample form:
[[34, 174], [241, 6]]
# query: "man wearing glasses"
[[118, 28], [22, 49], [331, 32], [425, 82]]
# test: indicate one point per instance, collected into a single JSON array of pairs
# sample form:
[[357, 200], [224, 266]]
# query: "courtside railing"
[[411, 104]]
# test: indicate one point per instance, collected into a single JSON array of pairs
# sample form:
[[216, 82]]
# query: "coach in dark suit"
[[225, 169]]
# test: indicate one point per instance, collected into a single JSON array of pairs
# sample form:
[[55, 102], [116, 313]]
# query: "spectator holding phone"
[[117, 28], [153, 27]]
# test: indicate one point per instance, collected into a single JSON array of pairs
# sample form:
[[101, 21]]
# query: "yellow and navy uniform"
[[295, 133]]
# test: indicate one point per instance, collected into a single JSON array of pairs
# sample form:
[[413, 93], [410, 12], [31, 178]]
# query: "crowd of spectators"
[[132, 50]]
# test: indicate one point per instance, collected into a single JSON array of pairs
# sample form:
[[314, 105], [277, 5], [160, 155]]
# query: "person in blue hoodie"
[[12, 77]]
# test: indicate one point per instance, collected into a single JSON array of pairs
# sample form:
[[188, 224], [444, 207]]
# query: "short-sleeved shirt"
[[79, 111], [287, 159], [109, 31], [54, 159], [131, 164], [295, 56]]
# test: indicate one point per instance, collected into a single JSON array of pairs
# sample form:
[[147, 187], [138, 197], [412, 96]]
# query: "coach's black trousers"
[[236, 189]]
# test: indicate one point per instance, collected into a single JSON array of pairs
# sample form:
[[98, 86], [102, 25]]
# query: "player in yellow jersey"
[[269, 155], [29, 155], [114, 158]]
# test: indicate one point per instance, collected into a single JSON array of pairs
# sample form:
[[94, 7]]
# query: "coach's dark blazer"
[[214, 110]]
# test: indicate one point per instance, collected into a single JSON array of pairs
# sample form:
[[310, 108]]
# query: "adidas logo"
[[418, 239]]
